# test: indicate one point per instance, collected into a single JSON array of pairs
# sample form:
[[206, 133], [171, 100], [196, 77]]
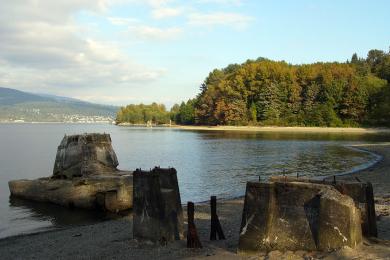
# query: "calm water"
[[208, 163]]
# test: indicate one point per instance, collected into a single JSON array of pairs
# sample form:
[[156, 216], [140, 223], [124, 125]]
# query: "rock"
[[297, 216], [361, 192], [84, 176], [158, 214]]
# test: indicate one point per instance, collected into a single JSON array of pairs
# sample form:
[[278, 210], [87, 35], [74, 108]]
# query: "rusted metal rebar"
[[192, 234], [215, 224]]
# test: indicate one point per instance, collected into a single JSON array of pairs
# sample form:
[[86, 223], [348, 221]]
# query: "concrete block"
[[297, 216], [158, 215], [361, 192]]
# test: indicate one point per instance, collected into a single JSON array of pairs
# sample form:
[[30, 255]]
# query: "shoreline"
[[293, 129], [113, 238], [363, 167]]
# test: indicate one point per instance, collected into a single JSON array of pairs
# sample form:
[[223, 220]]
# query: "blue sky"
[[119, 52]]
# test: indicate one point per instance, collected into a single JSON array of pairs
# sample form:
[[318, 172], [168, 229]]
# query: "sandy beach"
[[113, 239]]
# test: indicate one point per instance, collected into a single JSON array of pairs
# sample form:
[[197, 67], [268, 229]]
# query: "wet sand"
[[113, 239]]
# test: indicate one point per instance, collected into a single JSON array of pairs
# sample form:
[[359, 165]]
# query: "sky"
[[119, 52]]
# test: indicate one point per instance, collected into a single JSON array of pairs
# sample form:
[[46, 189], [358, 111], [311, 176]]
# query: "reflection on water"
[[50, 215], [208, 163]]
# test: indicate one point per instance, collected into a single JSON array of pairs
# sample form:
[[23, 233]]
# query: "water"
[[208, 163]]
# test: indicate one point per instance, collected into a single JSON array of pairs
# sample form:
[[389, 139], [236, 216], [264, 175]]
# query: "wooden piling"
[[215, 224], [192, 234]]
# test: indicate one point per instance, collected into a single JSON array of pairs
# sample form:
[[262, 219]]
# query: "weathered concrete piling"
[[297, 216], [84, 176], [361, 192], [158, 215]]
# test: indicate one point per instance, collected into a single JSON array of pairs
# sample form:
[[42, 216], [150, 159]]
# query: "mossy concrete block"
[[158, 215], [288, 216]]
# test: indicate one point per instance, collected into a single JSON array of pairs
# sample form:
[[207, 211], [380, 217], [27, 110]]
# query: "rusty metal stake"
[[192, 234], [215, 224]]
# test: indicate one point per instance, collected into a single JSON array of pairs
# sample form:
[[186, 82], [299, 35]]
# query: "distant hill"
[[17, 105]]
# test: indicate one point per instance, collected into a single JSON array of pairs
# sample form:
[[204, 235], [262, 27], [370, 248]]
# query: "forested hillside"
[[265, 92]]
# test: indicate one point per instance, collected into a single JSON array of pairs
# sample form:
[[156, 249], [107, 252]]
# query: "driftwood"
[[215, 224], [192, 234]]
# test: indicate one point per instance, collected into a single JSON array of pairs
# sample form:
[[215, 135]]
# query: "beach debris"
[[361, 192], [283, 215], [158, 215], [215, 224], [84, 176], [192, 234]]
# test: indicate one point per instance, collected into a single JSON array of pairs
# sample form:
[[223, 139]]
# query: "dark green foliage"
[[142, 114], [266, 92], [184, 114]]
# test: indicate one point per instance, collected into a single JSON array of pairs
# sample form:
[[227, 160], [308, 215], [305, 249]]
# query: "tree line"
[[266, 92]]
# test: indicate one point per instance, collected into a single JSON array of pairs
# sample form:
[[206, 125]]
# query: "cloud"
[[225, 2], [165, 12], [121, 21], [157, 3], [154, 33], [234, 20], [41, 46]]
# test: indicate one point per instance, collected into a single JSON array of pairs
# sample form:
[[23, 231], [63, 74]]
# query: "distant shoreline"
[[55, 122], [287, 129]]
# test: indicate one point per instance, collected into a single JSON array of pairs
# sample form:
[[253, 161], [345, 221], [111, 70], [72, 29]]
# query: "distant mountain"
[[17, 105], [11, 97]]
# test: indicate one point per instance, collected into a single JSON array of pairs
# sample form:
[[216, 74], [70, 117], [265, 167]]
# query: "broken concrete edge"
[[83, 192], [361, 192], [264, 202]]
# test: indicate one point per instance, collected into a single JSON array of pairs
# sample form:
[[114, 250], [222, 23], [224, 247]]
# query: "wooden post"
[[215, 224], [192, 235], [370, 211]]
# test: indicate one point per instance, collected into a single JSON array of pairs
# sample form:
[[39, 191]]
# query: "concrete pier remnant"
[[361, 192], [297, 216], [84, 176], [84, 155], [158, 215]]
